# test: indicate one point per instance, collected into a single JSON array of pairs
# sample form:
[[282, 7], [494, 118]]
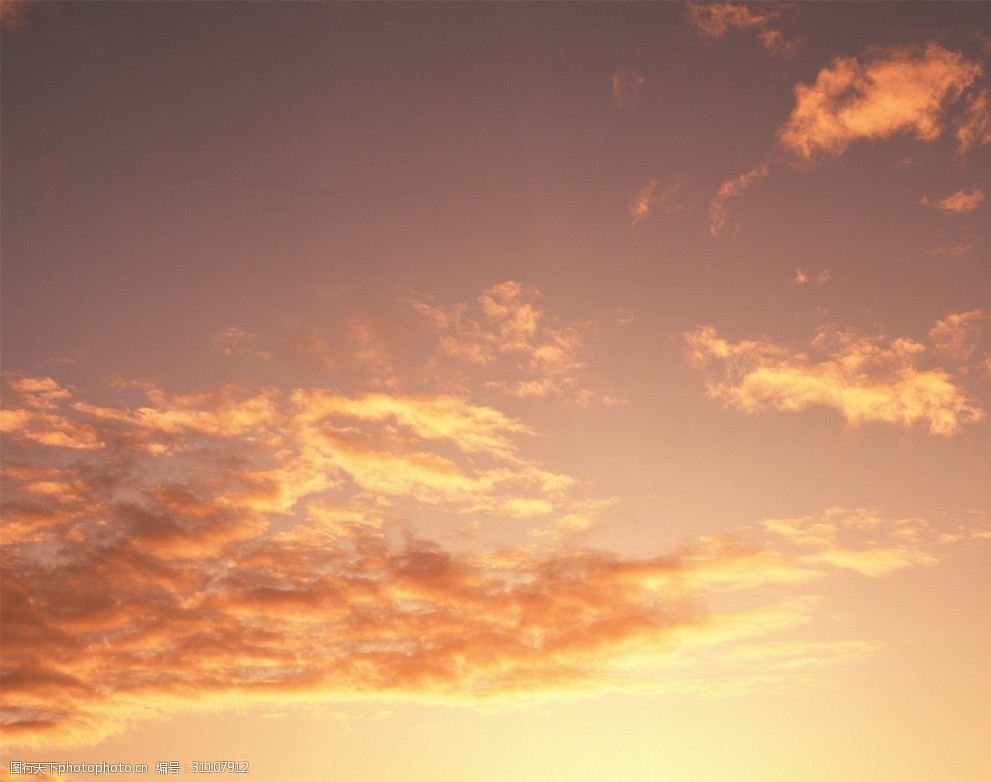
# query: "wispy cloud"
[[730, 189], [234, 341], [974, 125], [713, 20], [958, 203], [867, 379], [626, 86], [643, 201], [894, 90]]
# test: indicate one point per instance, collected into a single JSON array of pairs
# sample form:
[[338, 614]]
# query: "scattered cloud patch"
[[507, 330], [712, 21], [895, 90], [867, 379]]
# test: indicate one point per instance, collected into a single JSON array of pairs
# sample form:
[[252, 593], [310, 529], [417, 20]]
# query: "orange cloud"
[[713, 20], [730, 189], [958, 203], [865, 378], [626, 86], [897, 90]]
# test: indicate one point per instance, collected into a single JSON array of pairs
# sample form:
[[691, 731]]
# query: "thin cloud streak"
[[731, 188]]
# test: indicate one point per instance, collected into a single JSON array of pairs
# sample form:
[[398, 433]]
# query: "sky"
[[484, 391]]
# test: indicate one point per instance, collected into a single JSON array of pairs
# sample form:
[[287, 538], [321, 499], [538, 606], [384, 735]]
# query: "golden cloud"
[[867, 379], [897, 90]]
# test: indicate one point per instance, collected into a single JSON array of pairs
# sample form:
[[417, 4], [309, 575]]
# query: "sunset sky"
[[498, 392]]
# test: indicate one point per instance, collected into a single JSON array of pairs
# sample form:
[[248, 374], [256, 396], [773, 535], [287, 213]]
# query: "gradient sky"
[[498, 391]]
